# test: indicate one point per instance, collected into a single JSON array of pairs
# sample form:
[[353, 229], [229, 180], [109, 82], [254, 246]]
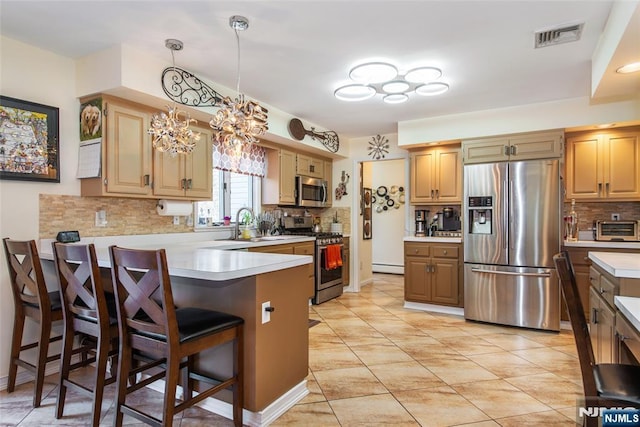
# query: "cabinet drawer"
[[628, 336], [607, 289], [416, 249], [594, 277], [445, 251], [580, 256], [307, 249]]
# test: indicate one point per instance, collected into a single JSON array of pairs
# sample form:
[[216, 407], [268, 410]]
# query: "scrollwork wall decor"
[[329, 138], [378, 147], [185, 88]]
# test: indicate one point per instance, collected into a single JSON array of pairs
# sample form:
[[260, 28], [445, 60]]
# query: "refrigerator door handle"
[[505, 221], [510, 273], [511, 230]]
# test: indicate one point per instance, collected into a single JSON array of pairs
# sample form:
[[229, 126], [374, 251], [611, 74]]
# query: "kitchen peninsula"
[[216, 275]]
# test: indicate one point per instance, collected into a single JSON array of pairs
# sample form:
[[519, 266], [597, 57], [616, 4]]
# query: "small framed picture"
[[29, 146], [367, 199]]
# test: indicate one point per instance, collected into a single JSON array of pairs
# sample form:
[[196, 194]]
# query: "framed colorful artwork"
[[29, 145]]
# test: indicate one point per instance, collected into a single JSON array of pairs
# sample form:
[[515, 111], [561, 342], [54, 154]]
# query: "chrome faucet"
[[237, 230]]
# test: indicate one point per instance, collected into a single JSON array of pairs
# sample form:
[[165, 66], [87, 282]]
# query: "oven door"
[[326, 277]]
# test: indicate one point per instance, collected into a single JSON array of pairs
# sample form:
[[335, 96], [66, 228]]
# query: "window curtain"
[[249, 159]]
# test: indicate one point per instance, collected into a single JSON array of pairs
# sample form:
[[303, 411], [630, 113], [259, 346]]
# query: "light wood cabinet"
[[278, 185], [436, 175], [309, 166], [132, 168], [604, 166], [328, 176], [628, 341], [432, 273], [126, 165], [346, 253], [300, 248], [538, 145], [186, 175]]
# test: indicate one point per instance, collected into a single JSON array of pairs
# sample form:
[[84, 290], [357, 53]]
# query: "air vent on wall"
[[558, 35]]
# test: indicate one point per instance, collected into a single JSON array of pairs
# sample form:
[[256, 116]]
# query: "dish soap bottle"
[[572, 223]]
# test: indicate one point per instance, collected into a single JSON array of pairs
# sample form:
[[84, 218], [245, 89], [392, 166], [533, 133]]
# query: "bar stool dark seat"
[[167, 335], [605, 384], [87, 309], [34, 301]]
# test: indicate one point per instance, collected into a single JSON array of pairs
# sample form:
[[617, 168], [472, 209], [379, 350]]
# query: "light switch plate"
[[266, 315]]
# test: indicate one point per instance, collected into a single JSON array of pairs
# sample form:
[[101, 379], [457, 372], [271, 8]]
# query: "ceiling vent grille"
[[553, 36]]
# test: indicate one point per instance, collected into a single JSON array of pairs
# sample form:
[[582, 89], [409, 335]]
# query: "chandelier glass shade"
[[239, 122], [170, 132], [382, 78]]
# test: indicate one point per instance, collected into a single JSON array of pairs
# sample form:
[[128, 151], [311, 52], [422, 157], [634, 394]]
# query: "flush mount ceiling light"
[[629, 68], [382, 78], [169, 132], [239, 122]]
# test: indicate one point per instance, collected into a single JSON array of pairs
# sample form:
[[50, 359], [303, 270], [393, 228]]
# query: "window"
[[231, 191]]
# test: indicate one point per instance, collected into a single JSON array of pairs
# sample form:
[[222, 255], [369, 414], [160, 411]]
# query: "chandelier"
[[170, 132], [239, 122]]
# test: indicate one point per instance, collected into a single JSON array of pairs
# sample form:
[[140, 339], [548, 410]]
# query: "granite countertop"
[[601, 244], [433, 239], [618, 264], [630, 307], [210, 260]]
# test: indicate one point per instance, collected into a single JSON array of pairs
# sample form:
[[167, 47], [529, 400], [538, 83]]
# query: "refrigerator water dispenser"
[[480, 215]]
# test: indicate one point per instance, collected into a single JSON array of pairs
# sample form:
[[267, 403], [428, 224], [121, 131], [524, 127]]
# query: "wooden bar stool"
[[605, 384], [32, 300], [89, 310], [168, 335]]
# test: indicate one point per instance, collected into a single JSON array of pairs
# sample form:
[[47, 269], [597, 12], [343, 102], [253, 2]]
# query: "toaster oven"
[[620, 231]]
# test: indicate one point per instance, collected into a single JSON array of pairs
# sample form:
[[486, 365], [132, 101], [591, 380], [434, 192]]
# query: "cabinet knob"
[[417, 251], [445, 252], [602, 291]]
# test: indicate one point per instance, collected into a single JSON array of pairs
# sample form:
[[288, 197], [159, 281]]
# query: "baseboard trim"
[[250, 418], [457, 311], [388, 268]]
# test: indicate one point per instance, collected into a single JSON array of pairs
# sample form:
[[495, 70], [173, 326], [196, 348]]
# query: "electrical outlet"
[[176, 220], [615, 217], [101, 218], [266, 312]]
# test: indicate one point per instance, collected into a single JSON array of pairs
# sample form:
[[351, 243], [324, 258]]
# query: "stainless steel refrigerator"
[[511, 232]]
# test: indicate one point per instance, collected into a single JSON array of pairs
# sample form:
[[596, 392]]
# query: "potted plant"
[[227, 220]]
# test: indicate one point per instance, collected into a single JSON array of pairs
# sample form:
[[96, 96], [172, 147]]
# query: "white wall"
[[388, 226], [34, 75]]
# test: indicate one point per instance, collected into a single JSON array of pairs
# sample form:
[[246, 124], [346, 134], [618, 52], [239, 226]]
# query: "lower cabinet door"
[[444, 286], [417, 279]]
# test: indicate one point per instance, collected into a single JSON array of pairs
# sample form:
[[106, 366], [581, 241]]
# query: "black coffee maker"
[[450, 219]]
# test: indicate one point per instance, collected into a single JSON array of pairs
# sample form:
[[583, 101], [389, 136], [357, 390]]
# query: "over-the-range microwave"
[[621, 231], [311, 192]]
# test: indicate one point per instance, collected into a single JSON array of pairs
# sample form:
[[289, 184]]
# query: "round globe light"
[[431, 89], [423, 75], [354, 92], [373, 72]]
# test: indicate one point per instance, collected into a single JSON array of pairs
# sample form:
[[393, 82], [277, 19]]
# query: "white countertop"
[[601, 245], [618, 264], [433, 239], [211, 260], [630, 307]]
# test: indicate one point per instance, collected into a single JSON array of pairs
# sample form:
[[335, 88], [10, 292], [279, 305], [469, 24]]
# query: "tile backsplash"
[[591, 211]]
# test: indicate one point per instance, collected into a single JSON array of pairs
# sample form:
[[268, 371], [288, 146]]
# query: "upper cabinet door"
[[199, 167], [584, 167], [486, 150], [436, 175], [128, 150], [423, 176], [448, 175], [622, 167]]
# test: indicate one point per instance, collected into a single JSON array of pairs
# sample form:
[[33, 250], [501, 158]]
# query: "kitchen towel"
[[174, 208], [332, 257]]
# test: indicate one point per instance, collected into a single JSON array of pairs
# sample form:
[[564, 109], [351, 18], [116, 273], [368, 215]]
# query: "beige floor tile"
[[548, 418], [197, 417], [439, 406], [499, 399], [332, 357], [348, 382], [550, 389], [444, 331], [511, 341], [379, 410], [458, 369], [468, 345], [377, 354], [549, 339], [315, 392], [481, 424], [405, 376], [309, 414], [506, 364]]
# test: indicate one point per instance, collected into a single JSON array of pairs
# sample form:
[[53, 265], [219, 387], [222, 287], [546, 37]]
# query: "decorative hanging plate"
[[382, 191], [373, 199], [379, 208], [401, 198], [394, 189], [390, 202]]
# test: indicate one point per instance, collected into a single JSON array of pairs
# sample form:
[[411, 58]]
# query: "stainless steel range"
[[328, 276]]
